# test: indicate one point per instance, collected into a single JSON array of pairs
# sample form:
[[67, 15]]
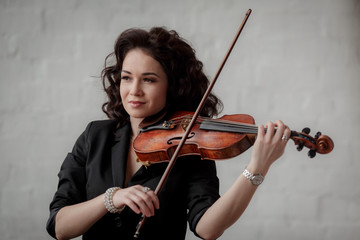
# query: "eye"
[[125, 78], [149, 80]]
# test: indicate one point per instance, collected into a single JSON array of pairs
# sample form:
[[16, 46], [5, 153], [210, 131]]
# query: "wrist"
[[108, 200], [255, 178], [257, 169]]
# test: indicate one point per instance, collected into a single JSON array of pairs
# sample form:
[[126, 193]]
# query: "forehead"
[[139, 55], [141, 61]]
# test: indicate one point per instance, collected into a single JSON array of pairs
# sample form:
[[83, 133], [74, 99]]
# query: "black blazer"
[[98, 161]]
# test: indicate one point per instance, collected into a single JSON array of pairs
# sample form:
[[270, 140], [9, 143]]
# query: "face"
[[143, 86]]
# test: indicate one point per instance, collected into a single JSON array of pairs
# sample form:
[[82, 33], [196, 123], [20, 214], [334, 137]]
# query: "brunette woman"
[[103, 190]]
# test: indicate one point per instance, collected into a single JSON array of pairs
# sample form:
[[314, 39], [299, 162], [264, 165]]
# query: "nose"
[[135, 89]]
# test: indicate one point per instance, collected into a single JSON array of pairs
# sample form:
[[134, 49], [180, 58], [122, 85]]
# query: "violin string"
[[233, 125], [238, 127]]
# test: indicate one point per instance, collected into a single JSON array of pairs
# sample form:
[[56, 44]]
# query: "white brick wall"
[[298, 61]]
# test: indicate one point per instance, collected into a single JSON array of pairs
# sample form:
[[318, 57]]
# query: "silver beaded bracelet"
[[109, 202]]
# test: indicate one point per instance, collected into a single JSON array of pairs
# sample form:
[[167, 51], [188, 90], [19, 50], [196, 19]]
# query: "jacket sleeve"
[[203, 189], [72, 180]]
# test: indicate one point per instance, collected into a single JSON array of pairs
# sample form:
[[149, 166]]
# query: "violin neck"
[[234, 127], [221, 126]]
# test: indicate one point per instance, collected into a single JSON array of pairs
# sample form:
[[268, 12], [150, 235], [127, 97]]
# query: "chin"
[[137, 115]]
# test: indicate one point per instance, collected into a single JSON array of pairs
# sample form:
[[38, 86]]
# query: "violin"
[[213, 139]]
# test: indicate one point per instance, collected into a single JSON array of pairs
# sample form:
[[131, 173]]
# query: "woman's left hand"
[[269, 146]]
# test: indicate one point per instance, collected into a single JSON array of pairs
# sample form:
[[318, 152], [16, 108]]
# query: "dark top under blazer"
[[98, 161]]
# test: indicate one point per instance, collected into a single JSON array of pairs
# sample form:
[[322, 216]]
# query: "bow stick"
[[192, 122]]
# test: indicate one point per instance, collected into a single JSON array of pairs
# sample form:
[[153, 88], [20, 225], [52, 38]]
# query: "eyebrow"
[[145, 74]]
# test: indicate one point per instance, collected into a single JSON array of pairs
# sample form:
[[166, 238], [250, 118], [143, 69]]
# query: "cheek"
[[163, 96], [162, 100], [122, 92]]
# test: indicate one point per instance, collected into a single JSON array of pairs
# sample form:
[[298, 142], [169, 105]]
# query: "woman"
[[103, 190]]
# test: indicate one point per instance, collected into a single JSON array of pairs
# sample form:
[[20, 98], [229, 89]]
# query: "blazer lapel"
[[119, 154]]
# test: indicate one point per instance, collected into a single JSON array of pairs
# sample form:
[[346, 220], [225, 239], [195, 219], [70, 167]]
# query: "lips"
[[136, 103]]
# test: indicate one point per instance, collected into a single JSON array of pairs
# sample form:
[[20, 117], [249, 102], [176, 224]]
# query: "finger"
[[142, 205], [280, 127], [138, 201], [134, 207], [287, 134], [147, 201], [261, 132], [150, 199], [154, 199], [270, 131]]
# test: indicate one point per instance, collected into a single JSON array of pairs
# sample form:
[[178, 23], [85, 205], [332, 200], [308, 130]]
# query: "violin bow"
[[192, 122]]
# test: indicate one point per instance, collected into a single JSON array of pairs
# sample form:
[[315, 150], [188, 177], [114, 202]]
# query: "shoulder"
[[99, 129], [102, 125], [94, 133], [105, 129]]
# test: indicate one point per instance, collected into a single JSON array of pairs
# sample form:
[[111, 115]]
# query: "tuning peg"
[[306, 130], [311, 153], [317, 135], [300, 146]]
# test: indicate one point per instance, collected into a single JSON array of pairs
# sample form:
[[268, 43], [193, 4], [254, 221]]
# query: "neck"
[[135, 125]]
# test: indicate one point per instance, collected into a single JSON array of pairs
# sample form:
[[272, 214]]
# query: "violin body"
[[158, 143]]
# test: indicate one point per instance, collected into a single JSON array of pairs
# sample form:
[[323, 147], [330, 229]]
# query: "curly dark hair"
[[186, 79]]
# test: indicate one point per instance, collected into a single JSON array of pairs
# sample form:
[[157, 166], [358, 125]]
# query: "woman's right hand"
[[139, 198]]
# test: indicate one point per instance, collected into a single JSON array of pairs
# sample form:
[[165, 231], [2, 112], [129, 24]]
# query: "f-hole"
[[191, 135]]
